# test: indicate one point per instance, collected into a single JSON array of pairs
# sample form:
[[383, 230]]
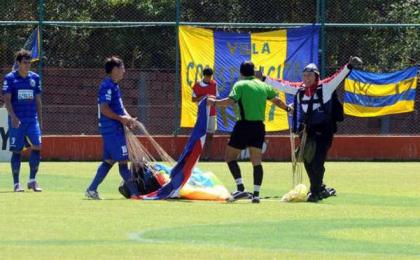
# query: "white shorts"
[[211, 124]]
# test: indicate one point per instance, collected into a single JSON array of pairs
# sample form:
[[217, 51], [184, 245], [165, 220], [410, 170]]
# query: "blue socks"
[[127, 177], [15, 163], [124, 172], [34, 160], [100, 175]]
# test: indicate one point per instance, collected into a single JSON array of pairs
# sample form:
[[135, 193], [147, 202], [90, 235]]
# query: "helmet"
[[311, 67]]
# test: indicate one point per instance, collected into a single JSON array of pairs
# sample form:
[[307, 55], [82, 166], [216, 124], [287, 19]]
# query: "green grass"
[[376, 215]]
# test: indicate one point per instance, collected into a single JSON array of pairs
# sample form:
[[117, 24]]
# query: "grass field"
[[376, 215]]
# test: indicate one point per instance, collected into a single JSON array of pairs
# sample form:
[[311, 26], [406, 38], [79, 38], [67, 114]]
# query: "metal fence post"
[[317, 11], [323, 49], [41, 10], [177, 76]]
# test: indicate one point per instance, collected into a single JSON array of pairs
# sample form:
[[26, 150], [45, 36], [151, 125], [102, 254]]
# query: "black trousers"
[[315, 154]]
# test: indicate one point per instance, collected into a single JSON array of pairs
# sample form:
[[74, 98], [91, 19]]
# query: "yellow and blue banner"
[[369, 94], [279, 54]]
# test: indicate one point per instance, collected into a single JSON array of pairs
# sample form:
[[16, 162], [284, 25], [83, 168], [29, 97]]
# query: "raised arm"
[[330, 84], [282, 86]]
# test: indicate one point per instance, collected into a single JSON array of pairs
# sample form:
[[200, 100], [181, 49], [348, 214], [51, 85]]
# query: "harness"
[[335, 112]]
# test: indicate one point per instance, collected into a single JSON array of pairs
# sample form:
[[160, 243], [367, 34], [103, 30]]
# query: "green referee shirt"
[[252, 94]]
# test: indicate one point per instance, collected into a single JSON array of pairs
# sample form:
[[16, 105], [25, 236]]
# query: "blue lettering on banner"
[[247, 49]]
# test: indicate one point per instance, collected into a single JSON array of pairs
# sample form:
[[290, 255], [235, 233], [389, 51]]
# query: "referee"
[[251, 95]]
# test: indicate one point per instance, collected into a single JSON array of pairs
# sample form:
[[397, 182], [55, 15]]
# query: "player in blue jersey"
[[22, 98], [112, 118]]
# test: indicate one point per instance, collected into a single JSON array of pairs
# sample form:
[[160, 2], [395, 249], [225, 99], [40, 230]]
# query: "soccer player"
[[315, 114], [251, 94], [112, 118], [22, 98], [207, 87]]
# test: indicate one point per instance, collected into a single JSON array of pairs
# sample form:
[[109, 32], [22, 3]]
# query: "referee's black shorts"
[[247, 133]]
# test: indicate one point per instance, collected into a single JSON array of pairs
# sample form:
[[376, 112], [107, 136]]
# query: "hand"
[[211, 101], [290, 109], [128, 121], [132, 125], [15, 121], [259, 75], [124, 119], [355, 62]]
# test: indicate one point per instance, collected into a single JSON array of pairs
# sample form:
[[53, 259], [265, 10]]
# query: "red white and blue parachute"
[[182, 180]]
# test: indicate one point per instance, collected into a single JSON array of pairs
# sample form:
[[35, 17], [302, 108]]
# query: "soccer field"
[[375, 215]]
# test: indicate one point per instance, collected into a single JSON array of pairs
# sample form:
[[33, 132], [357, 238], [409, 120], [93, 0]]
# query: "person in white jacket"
[[316, 111]]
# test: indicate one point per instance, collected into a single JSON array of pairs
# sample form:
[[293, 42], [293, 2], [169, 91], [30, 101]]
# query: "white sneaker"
[[92, 195], [237, 195], [33, 185], [18, 188]]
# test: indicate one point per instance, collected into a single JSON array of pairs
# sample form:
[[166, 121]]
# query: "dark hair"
[[207, 71], [111, 63], [247, 68], [23, 55]]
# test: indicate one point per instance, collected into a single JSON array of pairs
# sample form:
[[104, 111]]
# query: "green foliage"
[[382, 49], [154, 47]]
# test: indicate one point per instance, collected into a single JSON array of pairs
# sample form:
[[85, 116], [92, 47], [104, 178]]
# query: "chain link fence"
[[74, 50]]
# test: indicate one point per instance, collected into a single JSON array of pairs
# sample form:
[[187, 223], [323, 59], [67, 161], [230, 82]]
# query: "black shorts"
[[247, 133]]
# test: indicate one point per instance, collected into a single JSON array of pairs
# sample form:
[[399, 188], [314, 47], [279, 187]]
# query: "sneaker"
[[255, 199], [33, 185], [237, 195], [313, 197], [328, 192], [92, 195], [18, 188], [124, 190]]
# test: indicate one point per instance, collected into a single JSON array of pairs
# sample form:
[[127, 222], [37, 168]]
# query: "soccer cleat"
[[237, 195], [33, 185], [255, 199], [18, 188], [328, 192], [124, 190], [313, 197], [92, 195]]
